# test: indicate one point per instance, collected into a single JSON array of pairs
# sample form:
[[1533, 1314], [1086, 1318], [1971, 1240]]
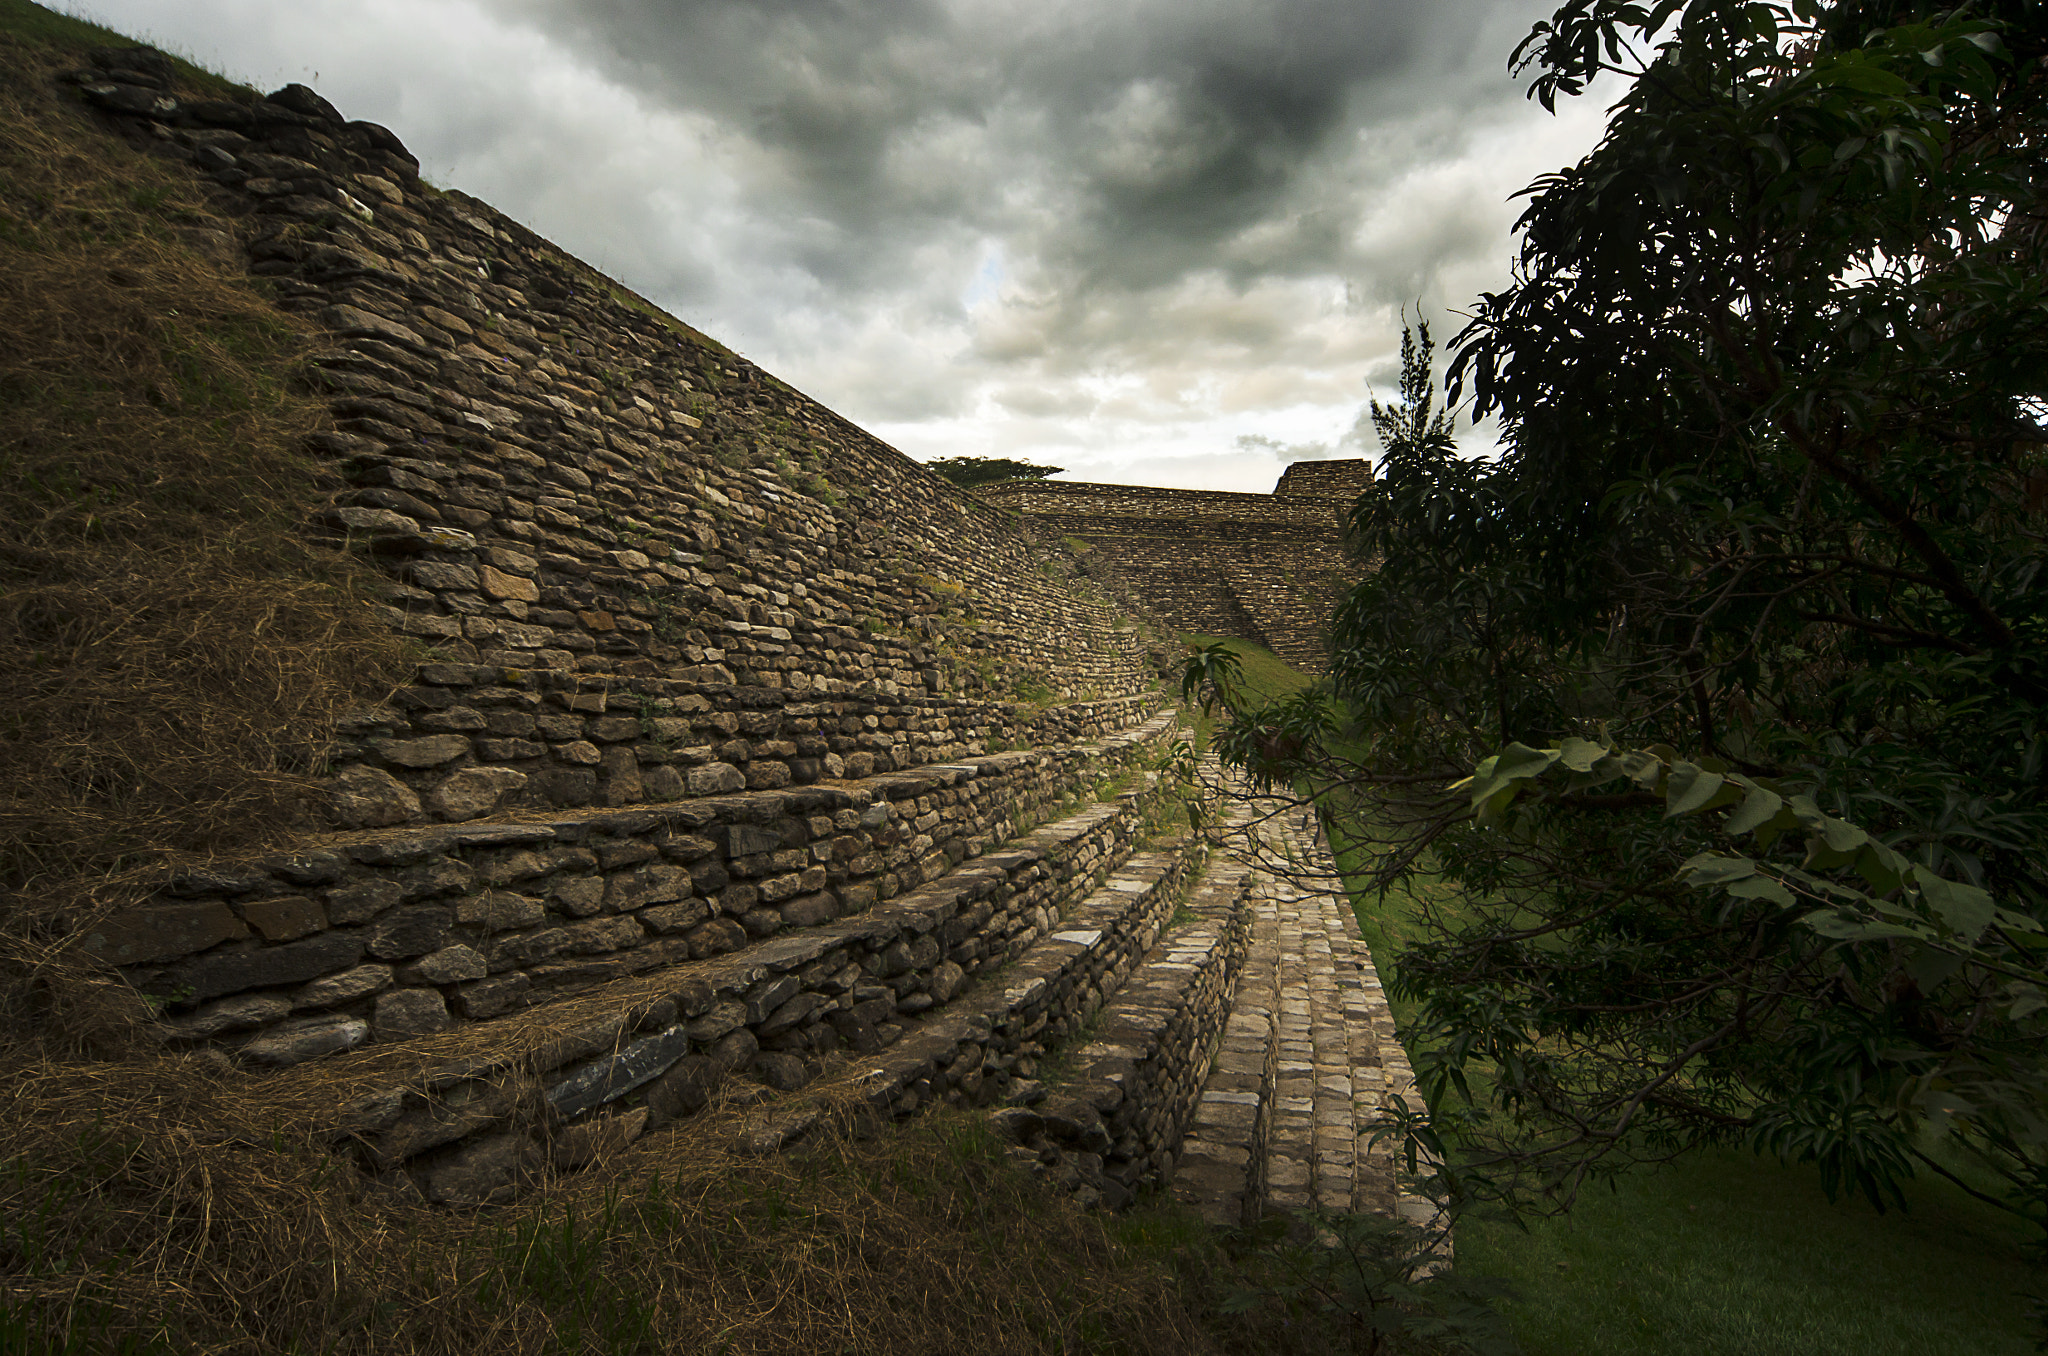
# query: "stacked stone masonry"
[[716, 764], [386, 935], [1057, 920], [1309, 1060], [588, 509], [1266, 567]]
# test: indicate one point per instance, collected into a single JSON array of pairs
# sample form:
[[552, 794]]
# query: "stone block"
[[670, 918], [716, 938], [783, 1072], [619, 776], [500, 910], [767, 774], [364, 797], [662, 783], [166, 932], [715, 779], [487, 1171], [723, 1019], [284, 919], [244, 1013], [450, 965], [734, 1050], [581, 896], [946, 981], [657, 884], [491, 997], [809, 910], [297, 1042], [497, 583], [792, 1013], [411, 932], [567, 785], [430, 751], [271, 966], [472, 792], [402, 1013], [614, 1076], [597, 936], [346, 987], [683, 1091], [360, 901]]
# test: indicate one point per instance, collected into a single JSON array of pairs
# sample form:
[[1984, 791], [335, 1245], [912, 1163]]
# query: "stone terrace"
[[713, 782]]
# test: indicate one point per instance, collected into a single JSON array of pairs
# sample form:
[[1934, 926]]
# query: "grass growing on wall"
[[171, 648]]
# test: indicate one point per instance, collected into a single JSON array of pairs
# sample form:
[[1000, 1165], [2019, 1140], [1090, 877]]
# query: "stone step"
[[472, 740], [369, 937], [1125, 1001], [1141, 1071], [1310, 1056], [1106, 993], [465, 1115], [1221, 1167]]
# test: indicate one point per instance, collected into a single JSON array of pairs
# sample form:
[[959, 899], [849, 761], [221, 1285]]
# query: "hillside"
[[532, 833]]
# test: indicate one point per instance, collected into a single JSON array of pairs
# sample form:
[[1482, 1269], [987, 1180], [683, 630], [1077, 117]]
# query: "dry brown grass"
[[173, 650], [164, 1199]]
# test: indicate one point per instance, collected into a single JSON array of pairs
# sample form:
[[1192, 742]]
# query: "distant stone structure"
[[1265, 567]]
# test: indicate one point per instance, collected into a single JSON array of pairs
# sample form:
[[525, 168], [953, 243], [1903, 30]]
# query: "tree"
[[1769, 520], [967, 472]]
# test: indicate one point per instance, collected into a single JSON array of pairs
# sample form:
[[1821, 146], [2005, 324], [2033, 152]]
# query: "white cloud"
[[1115, 237]]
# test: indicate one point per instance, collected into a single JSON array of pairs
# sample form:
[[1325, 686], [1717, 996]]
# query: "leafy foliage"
[[1771, 378], [1383, 1286], [967, 472]]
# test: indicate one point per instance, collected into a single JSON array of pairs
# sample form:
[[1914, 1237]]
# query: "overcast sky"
[[1152, 241]]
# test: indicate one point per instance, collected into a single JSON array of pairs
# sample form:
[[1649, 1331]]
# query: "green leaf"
[[1966, 909], [1821, 857], [2027, 999], [1519, 761], [1759, 807], [1843, 836], [1881, 868], [1581, 754], [1848, 928], [1712, 868], [1689, 788], [1763, 887], [1642, 767]]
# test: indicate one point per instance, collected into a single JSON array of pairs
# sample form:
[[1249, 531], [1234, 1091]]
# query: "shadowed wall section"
[[1265, 567]]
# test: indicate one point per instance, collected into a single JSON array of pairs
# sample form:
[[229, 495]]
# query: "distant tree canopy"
[[967, 472], [1717, 704]]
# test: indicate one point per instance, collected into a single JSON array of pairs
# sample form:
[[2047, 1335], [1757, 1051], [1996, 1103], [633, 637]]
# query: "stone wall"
[[729, 728], [1266, 567], [386, 935], [621, 542]]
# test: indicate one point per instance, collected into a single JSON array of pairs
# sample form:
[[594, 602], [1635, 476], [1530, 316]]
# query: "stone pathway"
[[1309, 1056]]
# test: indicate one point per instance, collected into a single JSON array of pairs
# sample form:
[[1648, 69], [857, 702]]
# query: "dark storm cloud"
[[1127, 144], [1135, 237]]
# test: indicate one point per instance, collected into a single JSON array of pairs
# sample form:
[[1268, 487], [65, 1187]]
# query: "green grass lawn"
[[1725, 1254], [1265, 673]]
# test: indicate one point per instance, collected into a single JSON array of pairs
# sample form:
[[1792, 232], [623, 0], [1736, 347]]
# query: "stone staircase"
[[1140, 1005], [1309, 1055]]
